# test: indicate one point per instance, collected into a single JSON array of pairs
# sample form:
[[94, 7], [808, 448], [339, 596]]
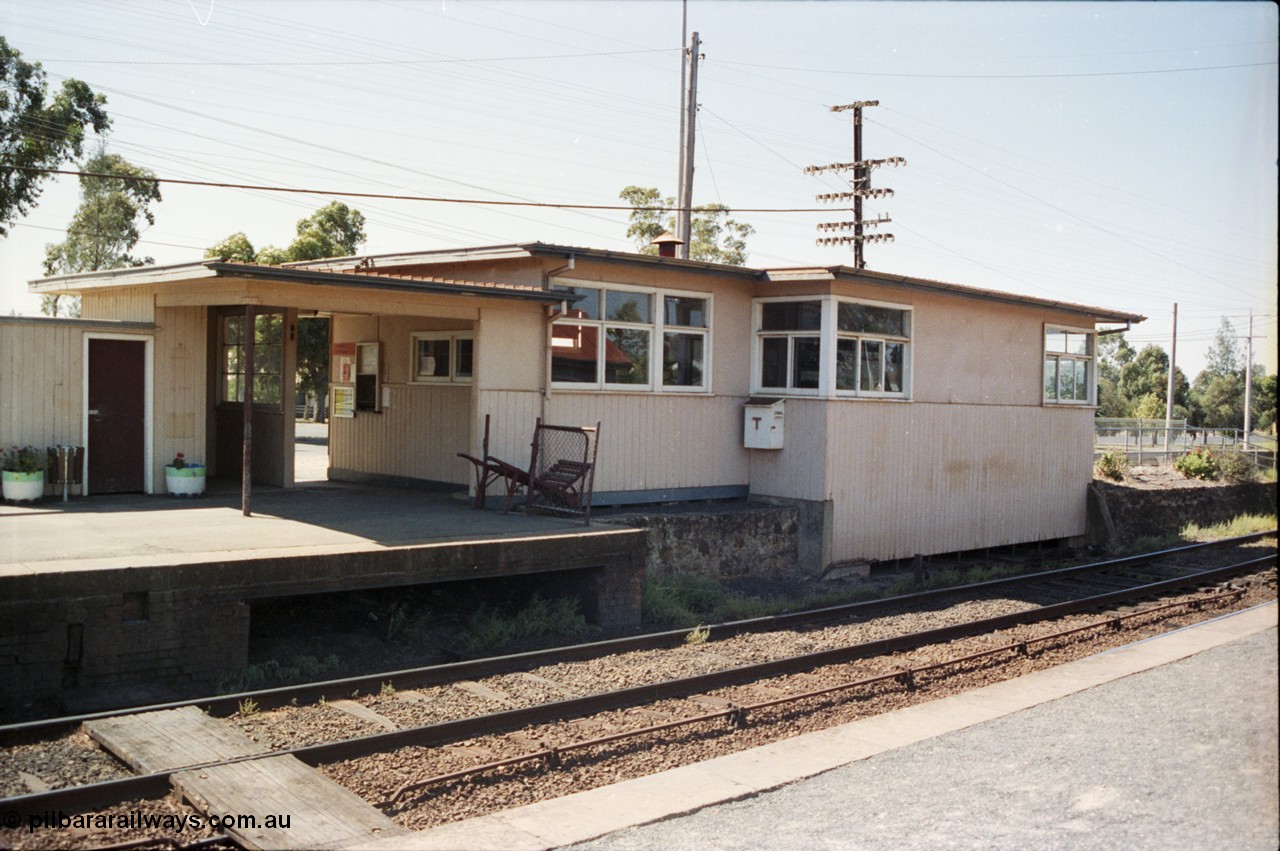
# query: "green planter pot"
[[23, 487], [184, 481]]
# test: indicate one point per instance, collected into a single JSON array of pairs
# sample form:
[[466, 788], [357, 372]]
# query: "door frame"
[[148, 403]]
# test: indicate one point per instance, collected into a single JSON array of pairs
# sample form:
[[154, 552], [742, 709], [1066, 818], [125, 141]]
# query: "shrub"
[[1236, 466], [1198, 464], [1112, 465], [23, 459]]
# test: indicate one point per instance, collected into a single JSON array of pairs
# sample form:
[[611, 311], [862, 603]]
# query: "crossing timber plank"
[[171, 738], [319, 812]]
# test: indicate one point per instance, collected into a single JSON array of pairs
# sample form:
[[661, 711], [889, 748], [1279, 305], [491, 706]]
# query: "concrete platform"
[[107, 597], [1170, 742], [317, 518]]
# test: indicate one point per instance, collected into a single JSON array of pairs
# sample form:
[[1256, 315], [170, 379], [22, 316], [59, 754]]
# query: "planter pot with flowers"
[[22, 470], [183, 477]]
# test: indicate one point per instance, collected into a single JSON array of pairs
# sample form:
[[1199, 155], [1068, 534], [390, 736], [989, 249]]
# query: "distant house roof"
[[379, 271]]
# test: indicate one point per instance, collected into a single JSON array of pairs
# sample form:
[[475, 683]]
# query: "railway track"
[[1053, 584], [730, 695]]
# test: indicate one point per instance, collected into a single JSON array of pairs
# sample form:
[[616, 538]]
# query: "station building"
[[900, 415]]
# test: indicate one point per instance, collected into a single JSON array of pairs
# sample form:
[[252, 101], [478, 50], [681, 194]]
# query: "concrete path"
[[1169, 743]]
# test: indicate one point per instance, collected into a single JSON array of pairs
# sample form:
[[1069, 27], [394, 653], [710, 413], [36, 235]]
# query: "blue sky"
[[1115, 154]]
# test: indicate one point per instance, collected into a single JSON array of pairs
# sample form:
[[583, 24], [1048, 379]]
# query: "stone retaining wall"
[[737, 541], [1120, 515]]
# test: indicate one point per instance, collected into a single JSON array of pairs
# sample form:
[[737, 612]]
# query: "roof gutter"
[[307, 276]]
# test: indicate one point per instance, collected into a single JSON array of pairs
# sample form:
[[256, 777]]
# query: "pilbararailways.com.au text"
[[138, 820]]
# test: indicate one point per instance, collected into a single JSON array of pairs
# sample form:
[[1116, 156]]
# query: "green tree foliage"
[[1223, 357], [107, 224], [1219, 400], [335, 230], [1114, 352], [1264, 401], [714, 237], [1147, 374], [235, 247], [37, 132]]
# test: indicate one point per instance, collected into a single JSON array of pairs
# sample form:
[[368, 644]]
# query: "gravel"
[[376, 778], [68, 761]]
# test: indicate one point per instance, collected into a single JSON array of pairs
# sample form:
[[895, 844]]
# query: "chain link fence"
[[1155, 442]]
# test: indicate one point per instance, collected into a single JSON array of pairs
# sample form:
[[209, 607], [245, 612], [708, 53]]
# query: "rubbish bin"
[[67, 464]]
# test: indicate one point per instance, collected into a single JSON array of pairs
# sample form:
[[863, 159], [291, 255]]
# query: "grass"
[[684, 600], [300, 669], [489, 629], [1245, 524]]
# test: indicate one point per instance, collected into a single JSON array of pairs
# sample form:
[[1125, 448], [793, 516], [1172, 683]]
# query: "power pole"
[[684, 206], [861, 188], [1168, 402], [1248, 383], [684, 108]]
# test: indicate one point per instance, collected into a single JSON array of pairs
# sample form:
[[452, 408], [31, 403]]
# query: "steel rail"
[[737, 714], [157, 784], [411, 678]]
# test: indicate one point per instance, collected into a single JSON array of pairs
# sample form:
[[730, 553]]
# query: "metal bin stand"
[[67, 463]]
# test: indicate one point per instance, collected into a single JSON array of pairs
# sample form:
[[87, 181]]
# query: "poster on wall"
[[346, 369], [343, 403], [344, 363]]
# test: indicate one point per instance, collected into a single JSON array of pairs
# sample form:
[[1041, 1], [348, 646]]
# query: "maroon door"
[[117, 415]]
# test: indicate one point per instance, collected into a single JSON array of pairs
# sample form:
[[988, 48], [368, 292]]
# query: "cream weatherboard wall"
[[42, 381], [958, 477], [973, 459], [179, 377]]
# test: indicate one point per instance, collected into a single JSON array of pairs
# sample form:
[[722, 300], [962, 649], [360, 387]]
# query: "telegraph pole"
[[1248, 382], [684, 108], [861, 188], [1168, 402], [684, 206]]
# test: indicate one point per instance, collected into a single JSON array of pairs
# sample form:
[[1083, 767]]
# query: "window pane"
[[773, 362], [1050, 378], [573, 353], [626, 356], [846, 364], [232, 329], [808, 359], [1066, 380], [233, 389], [230, 359], [872, 368], [682, 359], [1055, 341], [268, 329], [1077, 344], [588, 307], [433, 359], [627, 307], [266, 360], [466, 349], [266, 390], [894, 366], [1082, 381], [865, 319], [690, 312], [791, 316]]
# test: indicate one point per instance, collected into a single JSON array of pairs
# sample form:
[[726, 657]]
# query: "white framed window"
[[268, 358], [630, 338], [441, 357], [832, 346], [1069, 369]]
